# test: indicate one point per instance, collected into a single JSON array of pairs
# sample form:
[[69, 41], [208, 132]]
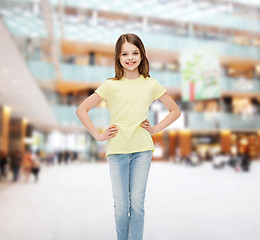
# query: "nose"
[[130, 57]]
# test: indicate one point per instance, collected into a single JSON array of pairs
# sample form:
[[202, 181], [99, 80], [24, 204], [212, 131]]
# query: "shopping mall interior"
[[56, 53]]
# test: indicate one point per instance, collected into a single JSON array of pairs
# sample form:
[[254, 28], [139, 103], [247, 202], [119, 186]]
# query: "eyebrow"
[[133, 51]]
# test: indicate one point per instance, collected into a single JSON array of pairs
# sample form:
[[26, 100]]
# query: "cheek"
[[121, 60]]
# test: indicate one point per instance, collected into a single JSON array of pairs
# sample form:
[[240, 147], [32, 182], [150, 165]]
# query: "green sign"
[[200, 74]]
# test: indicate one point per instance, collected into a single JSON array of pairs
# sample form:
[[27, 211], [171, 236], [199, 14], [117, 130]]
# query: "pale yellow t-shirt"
[[128, 102]]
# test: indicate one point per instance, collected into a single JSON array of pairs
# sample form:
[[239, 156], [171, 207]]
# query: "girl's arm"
[[82, 113], [174, 113]]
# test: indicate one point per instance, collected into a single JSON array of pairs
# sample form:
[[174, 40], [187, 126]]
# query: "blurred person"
[[177, 156], [66, 156], [60, 157], [15, 164], [245, 162], [29, 48], [209, 154], [233, 158], [50, 158], [93, 149], [217, 161], [53, 157], [75, 156], [27, 165], [193, 159], [3, 163], [36, 166], [220, 160], [42, 156], [129, 143]]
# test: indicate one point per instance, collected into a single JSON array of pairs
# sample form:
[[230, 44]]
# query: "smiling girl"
[[129, 143]]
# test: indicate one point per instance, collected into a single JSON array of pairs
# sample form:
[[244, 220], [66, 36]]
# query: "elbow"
[[78, 111], [179, 113]]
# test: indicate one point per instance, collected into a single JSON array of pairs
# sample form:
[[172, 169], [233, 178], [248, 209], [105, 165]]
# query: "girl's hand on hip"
[[146, 125], [109, 133]]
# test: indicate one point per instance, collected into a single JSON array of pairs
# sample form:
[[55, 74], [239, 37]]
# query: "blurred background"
[[59, 52], [53, 54]]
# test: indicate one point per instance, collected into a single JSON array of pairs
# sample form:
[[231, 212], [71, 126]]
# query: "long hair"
[[143, 67]]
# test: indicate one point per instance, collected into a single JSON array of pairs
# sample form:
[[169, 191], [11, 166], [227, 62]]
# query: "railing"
[[33, 26], [42, 70], [167, 10], [99, 116], [97, 74], [239, 121], [72, 72], [240, 85], [93, 74], [217, 121], [195, 121], [170, 11]]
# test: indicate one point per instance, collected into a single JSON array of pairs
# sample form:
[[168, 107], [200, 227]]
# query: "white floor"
[[75, 202]]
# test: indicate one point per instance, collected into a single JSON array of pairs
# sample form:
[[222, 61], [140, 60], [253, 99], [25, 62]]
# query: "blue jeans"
[[129, 174]]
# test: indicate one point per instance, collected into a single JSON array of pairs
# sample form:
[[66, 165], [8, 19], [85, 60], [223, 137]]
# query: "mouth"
[[130, 63]]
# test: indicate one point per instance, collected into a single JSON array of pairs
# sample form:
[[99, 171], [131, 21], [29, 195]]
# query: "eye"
[[136, 53], [124, 54]]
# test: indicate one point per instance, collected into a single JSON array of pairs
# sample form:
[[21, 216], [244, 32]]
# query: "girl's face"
[[130, 57]]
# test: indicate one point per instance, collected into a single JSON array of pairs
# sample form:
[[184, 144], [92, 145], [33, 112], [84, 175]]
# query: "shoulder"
[[110, 81], [107, 82], [151, 80]]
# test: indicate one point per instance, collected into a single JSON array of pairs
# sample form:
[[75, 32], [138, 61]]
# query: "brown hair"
[[143, 67]]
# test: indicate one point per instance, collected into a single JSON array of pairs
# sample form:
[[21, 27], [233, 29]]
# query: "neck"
[[132, 74]]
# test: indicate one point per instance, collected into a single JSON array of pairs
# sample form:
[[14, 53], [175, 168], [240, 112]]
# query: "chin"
[[130, 69]]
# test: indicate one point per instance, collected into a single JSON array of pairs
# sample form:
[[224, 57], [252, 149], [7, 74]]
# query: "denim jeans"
[[129, 174]]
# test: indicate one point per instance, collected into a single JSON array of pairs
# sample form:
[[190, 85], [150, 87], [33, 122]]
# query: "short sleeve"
[[158, 90], [102, 90]]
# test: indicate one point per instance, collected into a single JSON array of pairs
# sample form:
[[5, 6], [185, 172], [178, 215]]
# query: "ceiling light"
[[36, 8], [111, 24], [7, 109], [24, 29], [14, 24], [14, 82], [231, 70], [230, 8], [257, 68], [25, 120], [105, 7], [6, 12], [27, 14], [5, 71], [204, 4], [35, 34]]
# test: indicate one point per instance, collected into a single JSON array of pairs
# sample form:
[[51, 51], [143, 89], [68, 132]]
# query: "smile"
[[130, 63]]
